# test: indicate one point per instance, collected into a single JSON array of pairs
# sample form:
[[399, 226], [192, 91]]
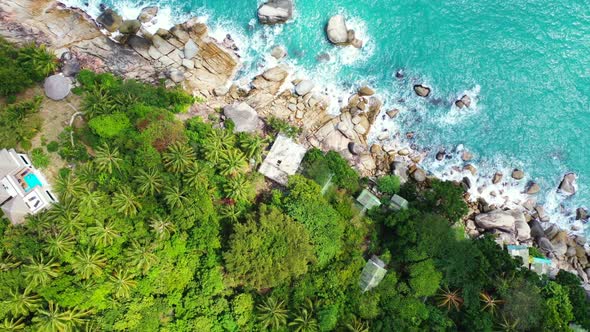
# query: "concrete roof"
[[283, 160], [16, 210]]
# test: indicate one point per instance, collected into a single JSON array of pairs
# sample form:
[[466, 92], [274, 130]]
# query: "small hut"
[[398, 203], [540, 265], [519, 251], [367, 200], [373, 272]]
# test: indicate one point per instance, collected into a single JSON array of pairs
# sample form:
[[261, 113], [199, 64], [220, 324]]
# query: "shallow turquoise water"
[[529, 60]]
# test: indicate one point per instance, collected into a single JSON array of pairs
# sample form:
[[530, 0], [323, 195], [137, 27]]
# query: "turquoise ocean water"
[[525, 63]]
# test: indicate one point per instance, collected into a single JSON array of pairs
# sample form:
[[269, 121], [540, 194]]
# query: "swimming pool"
[[32, 181]]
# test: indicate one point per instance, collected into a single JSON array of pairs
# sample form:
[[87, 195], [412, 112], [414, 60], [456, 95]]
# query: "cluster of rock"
[[275, 11], [339, 34], [530, 226], [184, 54]]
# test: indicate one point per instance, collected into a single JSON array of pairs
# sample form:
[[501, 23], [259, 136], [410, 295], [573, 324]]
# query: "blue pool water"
[[526, 63], [32, 181]]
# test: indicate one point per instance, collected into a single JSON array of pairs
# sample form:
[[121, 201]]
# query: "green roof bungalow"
[[367, 200], [398, 203], [373, 272], [540, 265], [519, 251]]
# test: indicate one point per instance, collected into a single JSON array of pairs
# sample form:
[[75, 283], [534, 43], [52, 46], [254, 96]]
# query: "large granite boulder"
[[523, 230], [497, 219], [244, 117], [568, 184], [110, 20], [57, 87], [130, 27], [559, 243], [304, 87], [147, 14], [337, 30], [422, 90], [275, 74], [275, 11]]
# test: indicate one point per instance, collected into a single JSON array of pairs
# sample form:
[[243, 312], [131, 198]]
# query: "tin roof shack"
[[367, 200], [283, 160], [23, 189], [398, 203], [519, 251], [541, 265], [373, 272]]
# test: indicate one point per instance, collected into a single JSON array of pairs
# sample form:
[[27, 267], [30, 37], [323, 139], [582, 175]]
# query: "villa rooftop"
[[23, 189]]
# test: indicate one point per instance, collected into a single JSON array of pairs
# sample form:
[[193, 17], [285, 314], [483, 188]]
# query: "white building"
[[283, 160], [23, 189]]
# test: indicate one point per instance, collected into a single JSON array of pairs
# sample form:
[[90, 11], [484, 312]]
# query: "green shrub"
[[111, 125], [39, 158], [53, 146], [344, 175], [19, 123], [388, 184], [277, 125]]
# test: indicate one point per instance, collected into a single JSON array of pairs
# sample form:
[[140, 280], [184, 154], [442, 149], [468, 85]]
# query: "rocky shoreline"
[[186, 55]]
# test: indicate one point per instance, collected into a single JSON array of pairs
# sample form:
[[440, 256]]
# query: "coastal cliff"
[[187, 56]]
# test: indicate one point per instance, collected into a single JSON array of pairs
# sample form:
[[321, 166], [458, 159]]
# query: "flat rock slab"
[[244, 117]]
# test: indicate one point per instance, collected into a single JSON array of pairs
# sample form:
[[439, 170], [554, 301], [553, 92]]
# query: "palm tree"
[[212, 149], [21, 303], [61, 209], [107, 159], [508, 326], [450, 299], [40, 271], [252, 146], [8, 262], [305, 321], [69, 187], [178, 157], [39, 59], [232, 163], [163, 227], [104, 233], [59, 245], [123, 283], [42, 224], [12, 324], [92, 200], [238, 188], [196, 176], [69, 222], [489, 302], [142, 257], [149, 182], [86, 264], [272, 313], [357, 325], [87, 172], [175, 197], [231, 213], [98, 102], [53, 319], [126, 202]]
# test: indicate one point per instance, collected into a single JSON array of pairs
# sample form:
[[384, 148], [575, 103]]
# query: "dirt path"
[[56, 117]]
